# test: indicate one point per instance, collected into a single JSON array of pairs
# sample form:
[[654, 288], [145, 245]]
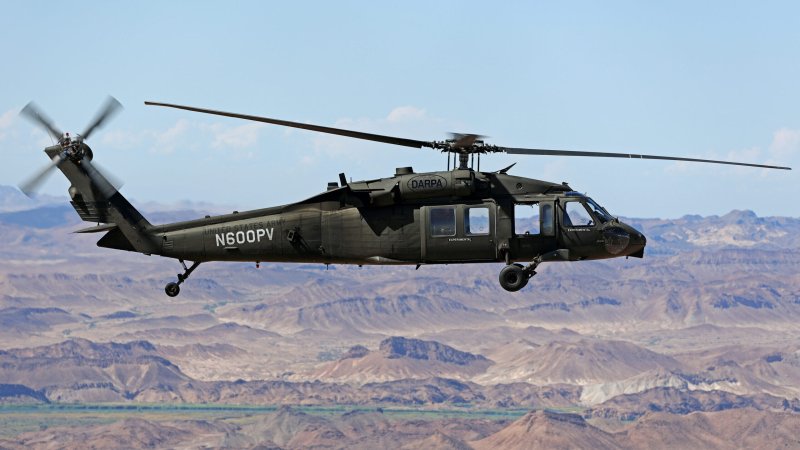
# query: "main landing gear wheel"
[[513, 277], [172, 288]]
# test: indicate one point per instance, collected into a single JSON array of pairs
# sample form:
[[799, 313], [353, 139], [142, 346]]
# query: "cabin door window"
[[526, 219], [548, 225], [476, 221], [443, 221]]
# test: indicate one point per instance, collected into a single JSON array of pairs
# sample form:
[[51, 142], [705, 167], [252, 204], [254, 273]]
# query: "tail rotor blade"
[[108, 110], [112, 179], [100, 182], [30, 186], [34, 114]]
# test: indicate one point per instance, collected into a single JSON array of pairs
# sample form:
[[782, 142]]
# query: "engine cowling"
[[457, 183]]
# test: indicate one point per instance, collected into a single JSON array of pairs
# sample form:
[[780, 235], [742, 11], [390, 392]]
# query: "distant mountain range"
[[12, 199], [47, 211]]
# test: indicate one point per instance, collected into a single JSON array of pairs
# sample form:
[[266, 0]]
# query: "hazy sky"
[[699, 79]]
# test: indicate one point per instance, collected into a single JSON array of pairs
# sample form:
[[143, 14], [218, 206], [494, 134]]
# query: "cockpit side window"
[[576, 215], [602, 215]]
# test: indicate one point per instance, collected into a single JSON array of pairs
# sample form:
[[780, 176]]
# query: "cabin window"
[[548, 224], [526, 219], [576, 215], [476, 221], [443, 221]]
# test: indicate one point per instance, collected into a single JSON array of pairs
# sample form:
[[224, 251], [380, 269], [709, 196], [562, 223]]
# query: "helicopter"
[[460, 215]]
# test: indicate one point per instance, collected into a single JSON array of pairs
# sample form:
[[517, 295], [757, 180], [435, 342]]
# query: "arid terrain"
[[695, 346]]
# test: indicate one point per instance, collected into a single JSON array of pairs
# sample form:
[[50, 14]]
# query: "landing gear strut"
[[514, 277], [173, 289]]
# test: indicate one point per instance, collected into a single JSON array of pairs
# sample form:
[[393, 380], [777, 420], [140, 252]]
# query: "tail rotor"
[[71, 148]]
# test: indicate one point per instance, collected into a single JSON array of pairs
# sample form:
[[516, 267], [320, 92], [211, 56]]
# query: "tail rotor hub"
[[73, 148]]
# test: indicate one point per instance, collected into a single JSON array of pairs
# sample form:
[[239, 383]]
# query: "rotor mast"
[[464, 145]]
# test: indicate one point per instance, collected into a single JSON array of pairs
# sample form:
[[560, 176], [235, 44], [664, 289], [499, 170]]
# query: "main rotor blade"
[[462, 143], [33, 113], [545, 152], [338, 131], [110, 107], [30, 186]]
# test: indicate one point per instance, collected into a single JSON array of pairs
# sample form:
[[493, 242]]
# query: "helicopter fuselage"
[[458, 216]]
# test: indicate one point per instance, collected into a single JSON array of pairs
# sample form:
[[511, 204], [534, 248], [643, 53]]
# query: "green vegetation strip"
[[20, 418], [183, 408]]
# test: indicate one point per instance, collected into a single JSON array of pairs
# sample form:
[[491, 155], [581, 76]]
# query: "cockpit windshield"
[[602, 215]]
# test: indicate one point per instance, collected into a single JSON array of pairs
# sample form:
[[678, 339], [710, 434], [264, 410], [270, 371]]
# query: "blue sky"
[[699, 79]]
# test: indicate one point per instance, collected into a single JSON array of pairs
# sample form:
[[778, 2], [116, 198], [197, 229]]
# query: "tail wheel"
[[513, 277]]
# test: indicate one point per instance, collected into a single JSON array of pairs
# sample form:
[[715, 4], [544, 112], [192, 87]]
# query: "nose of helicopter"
[[621, 239], [636, 243]]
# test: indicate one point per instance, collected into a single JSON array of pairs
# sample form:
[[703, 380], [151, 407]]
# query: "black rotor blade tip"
[[108, 110], [33, 113]]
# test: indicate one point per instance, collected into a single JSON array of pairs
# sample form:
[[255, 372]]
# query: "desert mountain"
[[574, 362], [438, 441], [30, 320], [227, 332], [12, 199], [78, 370], [739, 428], [127, 433], [742, 229], [82, 370], [399, 358], [294, 429], [736, 428], [681, 401], [402, 313], [544, 429]]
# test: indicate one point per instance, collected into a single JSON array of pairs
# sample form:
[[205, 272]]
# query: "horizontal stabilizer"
[[97, 229]]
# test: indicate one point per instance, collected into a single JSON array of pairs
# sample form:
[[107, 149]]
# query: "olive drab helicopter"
[[461, 215]]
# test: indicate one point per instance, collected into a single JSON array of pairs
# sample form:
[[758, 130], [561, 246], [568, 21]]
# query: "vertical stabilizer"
[[96, 200]]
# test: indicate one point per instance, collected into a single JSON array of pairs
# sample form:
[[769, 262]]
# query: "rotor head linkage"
[[463, 161]]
